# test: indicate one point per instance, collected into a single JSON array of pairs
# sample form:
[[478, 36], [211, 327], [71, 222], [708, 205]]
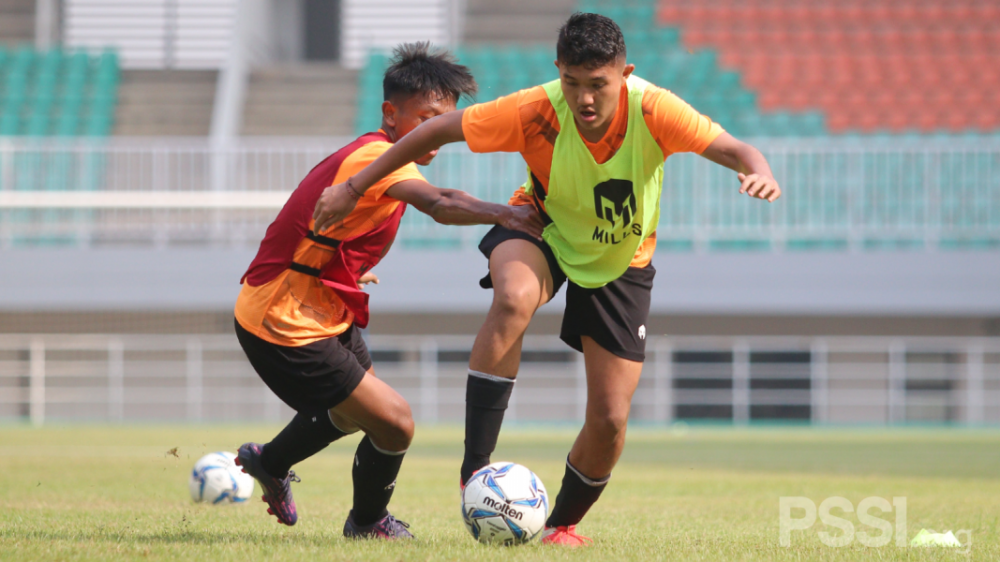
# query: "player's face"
[[413, 111], [593, 93]]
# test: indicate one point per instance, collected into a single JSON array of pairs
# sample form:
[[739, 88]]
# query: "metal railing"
[[735, 380], [838, 194]]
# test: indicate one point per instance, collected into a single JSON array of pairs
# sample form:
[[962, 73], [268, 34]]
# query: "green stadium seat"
[[665, 39], [811, 124], [726, 81], [45, 93]]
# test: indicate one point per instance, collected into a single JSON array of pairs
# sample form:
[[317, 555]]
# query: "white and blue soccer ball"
[[504, 503], [216, 479]]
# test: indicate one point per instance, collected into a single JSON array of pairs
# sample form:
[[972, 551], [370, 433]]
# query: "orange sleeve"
[[367, 154], [676, 126], [496, 126]]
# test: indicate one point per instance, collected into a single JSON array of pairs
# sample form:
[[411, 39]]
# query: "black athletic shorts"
[[312, 378], [613, 315]]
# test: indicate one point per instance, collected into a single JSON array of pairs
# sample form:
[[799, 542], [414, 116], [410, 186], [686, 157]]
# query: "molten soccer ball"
[[504, 503], [216, 479]]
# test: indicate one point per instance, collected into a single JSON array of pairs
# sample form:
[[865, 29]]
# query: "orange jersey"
[[526, 122], [296, 309]]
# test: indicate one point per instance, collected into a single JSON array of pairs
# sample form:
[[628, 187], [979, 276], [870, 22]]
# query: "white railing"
[[838, 195], [736, 380]]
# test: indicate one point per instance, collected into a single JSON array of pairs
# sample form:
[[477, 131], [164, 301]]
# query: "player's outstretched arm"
[[753, 171], [338, 200], [451, 206]]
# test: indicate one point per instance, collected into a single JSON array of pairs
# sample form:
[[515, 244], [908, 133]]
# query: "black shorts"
[[312, 378], [614, 315]]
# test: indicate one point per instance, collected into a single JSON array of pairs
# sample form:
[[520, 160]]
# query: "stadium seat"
[[46, 93]]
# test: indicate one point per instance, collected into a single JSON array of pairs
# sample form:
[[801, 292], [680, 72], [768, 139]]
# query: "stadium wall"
[[872, 294]]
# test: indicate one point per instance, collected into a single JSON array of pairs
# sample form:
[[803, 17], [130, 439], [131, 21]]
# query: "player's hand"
[[761, 187], [366, 279], [333, 206], [523, 218]]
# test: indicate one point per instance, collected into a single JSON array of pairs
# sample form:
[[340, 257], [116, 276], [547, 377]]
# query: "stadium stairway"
[[165, 102], [303, 99], [17, 22]]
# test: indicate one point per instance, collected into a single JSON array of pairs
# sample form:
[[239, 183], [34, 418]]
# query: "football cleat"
[[277, 491], [387, 527], [564, 536]]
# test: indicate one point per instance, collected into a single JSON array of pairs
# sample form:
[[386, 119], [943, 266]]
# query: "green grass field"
[[100, 493]]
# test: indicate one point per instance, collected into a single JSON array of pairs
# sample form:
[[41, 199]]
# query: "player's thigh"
[[520, 274], [378, 409], [343, 423], [611, 382]]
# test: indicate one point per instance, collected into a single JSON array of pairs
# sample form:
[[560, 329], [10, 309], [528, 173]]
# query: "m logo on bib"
[[614, 201]]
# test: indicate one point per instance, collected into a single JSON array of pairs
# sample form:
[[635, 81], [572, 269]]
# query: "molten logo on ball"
[[503, 508]]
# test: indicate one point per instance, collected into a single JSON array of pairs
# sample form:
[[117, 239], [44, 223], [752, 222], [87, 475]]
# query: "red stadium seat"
[[798, 99], [957, 120], [669, 14], [898, 121], [697, 14], [838, 122], [770, 99], [852, 12], [869, 64], [868, 121], [694, 37], [862, 40]]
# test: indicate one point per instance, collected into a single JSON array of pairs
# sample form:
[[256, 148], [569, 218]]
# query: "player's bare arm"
[[338, 200], [366, 279], [753, 171], [451, 206]]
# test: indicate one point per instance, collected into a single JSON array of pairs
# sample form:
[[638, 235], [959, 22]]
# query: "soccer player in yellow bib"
[[595, 142]]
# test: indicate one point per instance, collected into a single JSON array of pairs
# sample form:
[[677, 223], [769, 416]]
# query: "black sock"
[[486, 399], [577, 494], [302, 438], [374, 481]]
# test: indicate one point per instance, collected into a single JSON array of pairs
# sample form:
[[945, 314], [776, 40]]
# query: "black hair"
[[415, 68], [590, 40]]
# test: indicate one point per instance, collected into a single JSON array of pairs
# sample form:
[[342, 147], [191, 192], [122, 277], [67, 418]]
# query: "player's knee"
[[343, 424], [610, 422], [401, 426], [516, 303]]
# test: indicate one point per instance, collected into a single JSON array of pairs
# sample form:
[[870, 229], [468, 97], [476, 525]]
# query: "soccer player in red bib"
[[301, 309], [595, 142]]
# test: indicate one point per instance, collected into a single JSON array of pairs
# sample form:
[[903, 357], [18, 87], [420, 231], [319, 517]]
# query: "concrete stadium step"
[[522, 21], [301, 99], [165, 102], [17, 22]]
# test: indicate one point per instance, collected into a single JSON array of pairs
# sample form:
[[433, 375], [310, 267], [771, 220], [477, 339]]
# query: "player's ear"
[[629, 69], [389, 113]]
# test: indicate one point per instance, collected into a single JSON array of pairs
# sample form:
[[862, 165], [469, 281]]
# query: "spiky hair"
[[416, 68]]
